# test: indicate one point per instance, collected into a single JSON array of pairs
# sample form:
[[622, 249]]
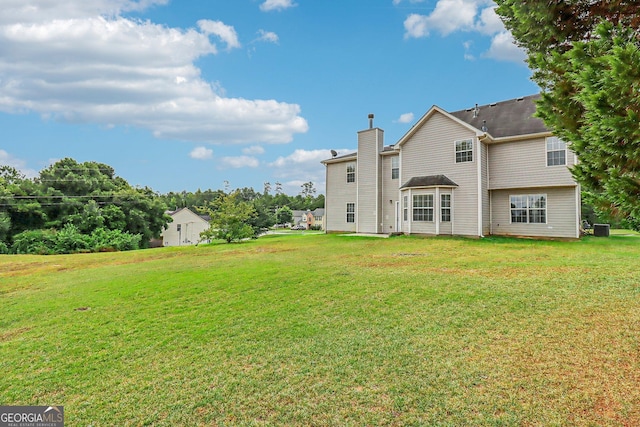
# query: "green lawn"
[[329, 330]]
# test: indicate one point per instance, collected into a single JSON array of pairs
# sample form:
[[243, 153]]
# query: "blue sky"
[[181, 95]]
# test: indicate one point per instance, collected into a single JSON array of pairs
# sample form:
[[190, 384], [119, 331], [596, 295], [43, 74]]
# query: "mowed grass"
[[326, 330]]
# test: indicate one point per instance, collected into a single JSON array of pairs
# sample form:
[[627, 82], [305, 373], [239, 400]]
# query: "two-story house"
[[491, 169], [185, 228]]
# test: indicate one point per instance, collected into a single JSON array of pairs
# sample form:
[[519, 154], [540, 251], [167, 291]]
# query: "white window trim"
[[397, 159], [347, 213], [473, 150], [546, 209], [449, 208], [547, 151], [433, 207], [348, 173]]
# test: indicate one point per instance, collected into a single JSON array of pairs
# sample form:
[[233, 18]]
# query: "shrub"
[[40, 242], [102, 240], [70, 240]]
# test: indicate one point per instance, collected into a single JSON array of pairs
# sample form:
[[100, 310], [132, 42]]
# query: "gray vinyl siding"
[[431, 151], [369, 181], [338, 194], [389, 196], [521, 164], [562, 213]]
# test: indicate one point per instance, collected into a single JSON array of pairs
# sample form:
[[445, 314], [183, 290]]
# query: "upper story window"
[[351, 172], [556, 151], [464, 150], [529, 209], [423, 207], [395, 167]]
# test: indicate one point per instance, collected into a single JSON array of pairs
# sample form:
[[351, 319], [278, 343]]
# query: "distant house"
[[185, 228], [308, 218], [491, 169]]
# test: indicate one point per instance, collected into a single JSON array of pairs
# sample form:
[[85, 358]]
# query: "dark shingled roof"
[[429, 181], [506, 118]]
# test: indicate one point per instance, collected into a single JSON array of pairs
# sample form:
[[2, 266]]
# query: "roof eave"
[[340, 159], [511, 138]]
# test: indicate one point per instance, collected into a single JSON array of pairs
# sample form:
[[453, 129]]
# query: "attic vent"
[[520, 99], [493, 104]]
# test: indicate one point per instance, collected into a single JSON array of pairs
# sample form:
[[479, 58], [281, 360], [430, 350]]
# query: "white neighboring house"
[[491, 169], [185, 228]]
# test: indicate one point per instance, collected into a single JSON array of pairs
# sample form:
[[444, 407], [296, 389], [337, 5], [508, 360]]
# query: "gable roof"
[[427, 116], [507, 118], [429, 181], [206, 218]]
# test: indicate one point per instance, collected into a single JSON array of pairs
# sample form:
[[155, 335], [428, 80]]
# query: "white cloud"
[[269, 5], [254, 150], [28, 11], [240, 162], [75, 63], [489, 22], [504, 49], [268, 36], [303, 166], [7, 159], [201, 153], [447, 17], [450, 16], [226, 32], [405, 118]]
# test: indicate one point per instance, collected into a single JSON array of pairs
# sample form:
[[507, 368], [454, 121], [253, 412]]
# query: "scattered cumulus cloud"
[[268, 36], [478, 16], [503, 48], [405, 118], [489, 22], [81, 61], [303, 166], [240, 162], [254, 150], [7, 159], [226, 33], [467, 50], [201, 153], [270, 5]]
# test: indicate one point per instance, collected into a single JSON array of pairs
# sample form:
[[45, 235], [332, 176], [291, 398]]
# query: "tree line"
[[84, 207]]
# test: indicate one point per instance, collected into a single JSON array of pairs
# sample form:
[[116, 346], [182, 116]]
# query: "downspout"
[[479, 172], [436, 214]]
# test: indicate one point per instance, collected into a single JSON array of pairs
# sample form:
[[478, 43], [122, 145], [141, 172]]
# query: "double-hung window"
[[464, 150], [445, 207], [423, 207], [405, 208], [556, 151], [395, 167], [529, 209], [351, 212], [351, 172]]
